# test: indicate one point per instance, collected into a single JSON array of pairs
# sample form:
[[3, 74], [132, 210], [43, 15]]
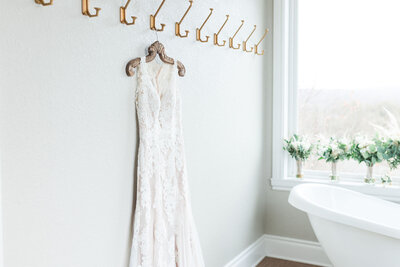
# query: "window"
[[348, 70], [336, 69]]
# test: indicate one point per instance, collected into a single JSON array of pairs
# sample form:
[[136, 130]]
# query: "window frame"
[[285, 111]]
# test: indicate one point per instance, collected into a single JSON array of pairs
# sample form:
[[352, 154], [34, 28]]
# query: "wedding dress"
[[164, 234]]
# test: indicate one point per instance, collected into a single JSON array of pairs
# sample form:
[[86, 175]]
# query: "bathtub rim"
[[311, 207]]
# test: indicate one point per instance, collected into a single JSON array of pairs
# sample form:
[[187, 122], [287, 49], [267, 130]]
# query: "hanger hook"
[[153, 20], [217, 34], [256, 46], [198, 31], [248, 38], [41, 2], [85, 9], [233, 37], [122, 14], [178, 24]]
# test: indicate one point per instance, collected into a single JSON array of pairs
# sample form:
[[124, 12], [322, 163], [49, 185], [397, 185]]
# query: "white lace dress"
[[164, 234]]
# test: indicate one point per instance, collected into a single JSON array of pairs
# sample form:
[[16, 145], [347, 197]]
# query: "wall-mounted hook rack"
[[248, 38], [178, 24], [233, 37], [85, 9], [217, 34], [153, 20], [122, 15], [256, 46], [41, 2], [198, 31]]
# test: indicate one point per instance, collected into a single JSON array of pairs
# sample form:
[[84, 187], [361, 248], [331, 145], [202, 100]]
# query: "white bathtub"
[[354, 229]]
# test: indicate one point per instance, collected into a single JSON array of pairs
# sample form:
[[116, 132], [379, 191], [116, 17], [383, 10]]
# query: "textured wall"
[[68, 129]]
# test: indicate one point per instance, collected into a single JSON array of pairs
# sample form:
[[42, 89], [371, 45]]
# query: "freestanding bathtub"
[[354, 229]]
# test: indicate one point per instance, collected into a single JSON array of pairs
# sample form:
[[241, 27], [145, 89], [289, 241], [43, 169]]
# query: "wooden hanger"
[[155, 49]]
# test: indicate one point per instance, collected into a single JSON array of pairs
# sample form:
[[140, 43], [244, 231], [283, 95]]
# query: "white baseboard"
[[295, 250], [282, 248], [251, 256]]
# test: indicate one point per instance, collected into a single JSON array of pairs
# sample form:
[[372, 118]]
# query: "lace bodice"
[[164, 232]]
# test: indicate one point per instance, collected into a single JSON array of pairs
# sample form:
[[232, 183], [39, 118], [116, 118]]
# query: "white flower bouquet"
[[390, 144], [369, 151], [333, 150], [390, 149], [300, 149]]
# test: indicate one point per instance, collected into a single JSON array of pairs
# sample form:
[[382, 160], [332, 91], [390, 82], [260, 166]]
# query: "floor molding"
[[283, 248]]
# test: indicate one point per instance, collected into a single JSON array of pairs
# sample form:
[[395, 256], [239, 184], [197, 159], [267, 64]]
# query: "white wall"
[[1, 224], [281, 218], [69, 137]]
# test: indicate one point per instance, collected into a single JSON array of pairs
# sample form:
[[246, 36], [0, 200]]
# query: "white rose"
[[336, 153], [306, 145], [334, 147]]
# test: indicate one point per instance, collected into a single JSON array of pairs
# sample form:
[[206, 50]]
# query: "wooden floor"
[[272, 262]]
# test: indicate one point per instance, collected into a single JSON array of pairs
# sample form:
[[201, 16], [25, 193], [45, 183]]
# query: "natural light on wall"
[[348, 71]]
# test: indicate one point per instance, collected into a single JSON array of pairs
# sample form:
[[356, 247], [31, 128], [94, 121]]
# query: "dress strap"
[[143, 60], [142, 65]]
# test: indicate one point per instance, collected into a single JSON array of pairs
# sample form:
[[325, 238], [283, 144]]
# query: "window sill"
[[387, 192]]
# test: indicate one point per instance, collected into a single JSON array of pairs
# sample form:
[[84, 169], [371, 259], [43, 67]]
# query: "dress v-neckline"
[[155, 87]]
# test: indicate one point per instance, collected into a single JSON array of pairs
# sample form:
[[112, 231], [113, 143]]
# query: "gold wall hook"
[[153, 20], [256, 46], [178, 24], [122, 15], [248, 38], [85, 9], [217, 34], [198, 31], [41, 2], [233, 37]]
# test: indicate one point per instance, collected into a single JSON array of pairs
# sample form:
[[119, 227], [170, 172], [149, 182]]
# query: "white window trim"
[[284, 104]]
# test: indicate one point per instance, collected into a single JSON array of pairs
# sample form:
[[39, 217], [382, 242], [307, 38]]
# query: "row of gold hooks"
[[216, 35], [217, 42], [231, 44], [85, 7]]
